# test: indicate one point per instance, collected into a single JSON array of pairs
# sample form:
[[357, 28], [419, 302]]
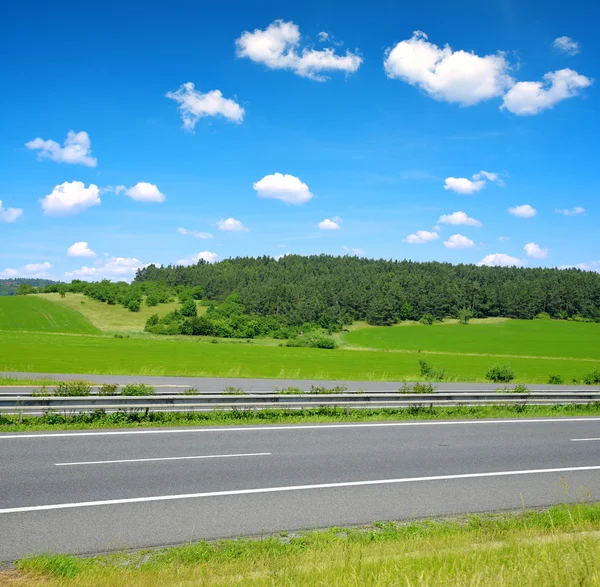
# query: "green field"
[[524, 338], [35, 314], [138, 356]]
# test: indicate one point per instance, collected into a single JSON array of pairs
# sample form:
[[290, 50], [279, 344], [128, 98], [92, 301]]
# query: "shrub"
[[290, 391], [72, 389], [500, 373], [593, 377], [325, 390], [108, 389], [137, 389], [543, 316], [318, 341], [417, 388], [427, 319], [230, 390], [188, 308], [41, 392], [554, 379], [133, 304], [428, 371], [191, 391], [464, 315], [151, 321]]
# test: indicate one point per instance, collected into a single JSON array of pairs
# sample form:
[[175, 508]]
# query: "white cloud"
[[9, 214], [323, 36], [504, 238], [529, 98], [80, 249], [70, 198], [201, 235], [277, 257], [29, 270], [447, 75], [458, 218], [462, 185], [458, 241], [591, 266], [465, 186], [77, 149], [524, 211], [333, 224], [194, 105], [421, 237], [354, 251], [566, 45], [231, 225], [534, 250], [574, 212], [278, 47], [287, 188], [120, 268], [142, 192], [500, 260], [204, 256]]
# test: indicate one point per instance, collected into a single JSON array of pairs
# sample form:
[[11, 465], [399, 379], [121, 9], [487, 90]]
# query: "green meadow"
[[524, 338], [49, 334]]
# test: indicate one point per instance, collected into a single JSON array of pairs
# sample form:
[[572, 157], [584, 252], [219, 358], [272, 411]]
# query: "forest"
[[9, 287], [339, 290]]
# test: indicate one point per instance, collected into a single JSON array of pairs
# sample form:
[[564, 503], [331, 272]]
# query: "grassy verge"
[[5, 381], [29, 352], [133, 418], [559, 546]]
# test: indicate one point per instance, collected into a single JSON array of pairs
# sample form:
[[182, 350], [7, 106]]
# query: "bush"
[[427, 319], [428, 371], [151, 321], [417, 388], [325, 390], [137, 389], [593, 377], [290, 391], [554, 379], [318, 341], [230, 390], [188, 308], [543, 316], [464, 315], [108, 389], [72, 389], [500, 373]]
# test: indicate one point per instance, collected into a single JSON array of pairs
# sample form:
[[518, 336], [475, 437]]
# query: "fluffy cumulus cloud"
[[120, 268], [80, 249], [534, 250], [566, 45], [9, 214], [573, 212], [529, 98], [70, 198], [458, 218], [354, 251], [76, 149], [452, 76], [201, 235], [206, 256], [421, 237], [465, 186], [194, 105], [458, 241], [29, 270], [500, 260], [287, 188], [231, 225], [523, 211], [331, 224], [142, 192], [279, 47]]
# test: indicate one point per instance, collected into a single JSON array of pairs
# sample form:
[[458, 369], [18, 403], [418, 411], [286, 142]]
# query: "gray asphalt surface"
[[208, 384], [379, 463]]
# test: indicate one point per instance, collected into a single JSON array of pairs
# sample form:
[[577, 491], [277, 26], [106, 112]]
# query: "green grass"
[[34, 314], [139, 356], [139, 418], [523, 338], [109, 318], [559, 546], [12, 382]]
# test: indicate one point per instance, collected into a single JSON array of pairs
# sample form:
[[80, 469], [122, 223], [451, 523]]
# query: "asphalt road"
[[92, 491], [213, 384]]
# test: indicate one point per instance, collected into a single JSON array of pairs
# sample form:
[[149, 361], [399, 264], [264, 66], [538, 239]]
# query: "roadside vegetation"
[[558, 546], [131, 418]]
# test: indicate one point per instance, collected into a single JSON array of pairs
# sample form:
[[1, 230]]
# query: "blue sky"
[[297, 127]]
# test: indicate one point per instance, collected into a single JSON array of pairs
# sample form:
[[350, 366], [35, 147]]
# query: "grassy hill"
[[34, 314]]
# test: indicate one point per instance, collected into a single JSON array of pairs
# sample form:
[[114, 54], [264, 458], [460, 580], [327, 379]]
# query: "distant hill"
[[8, 287], [34, 314]]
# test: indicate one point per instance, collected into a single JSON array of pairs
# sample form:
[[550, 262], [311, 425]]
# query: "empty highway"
[[94, 491]]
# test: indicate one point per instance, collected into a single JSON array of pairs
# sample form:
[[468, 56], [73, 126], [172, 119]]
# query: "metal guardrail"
[[28, 404]]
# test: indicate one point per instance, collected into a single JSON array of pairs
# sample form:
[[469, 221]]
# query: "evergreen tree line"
[[332, 291], [21, 285]]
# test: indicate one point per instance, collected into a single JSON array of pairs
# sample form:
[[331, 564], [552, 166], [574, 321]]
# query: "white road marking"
[[583, 439], [252, 454], [83, 504], [300, 427]]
